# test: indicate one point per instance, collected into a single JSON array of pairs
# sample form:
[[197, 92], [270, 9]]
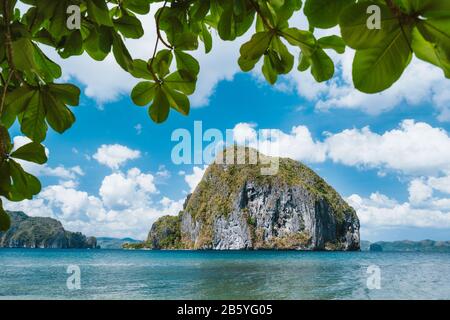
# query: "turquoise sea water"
[[117, 274]]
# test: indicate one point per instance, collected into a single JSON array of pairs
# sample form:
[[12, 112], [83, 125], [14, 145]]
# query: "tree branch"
[[8, 40], [5, 90], [9, 56], [259, 13], [158, 38], [158, 31], [8, 46]]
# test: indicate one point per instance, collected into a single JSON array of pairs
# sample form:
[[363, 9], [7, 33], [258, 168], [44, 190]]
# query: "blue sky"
[[388, 155]]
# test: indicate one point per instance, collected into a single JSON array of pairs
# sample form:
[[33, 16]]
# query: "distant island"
[[115, 243], [235, 207], [40, 232], [407, 246], [381, 246]]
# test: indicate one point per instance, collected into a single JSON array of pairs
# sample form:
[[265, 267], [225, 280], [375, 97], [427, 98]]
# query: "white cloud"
[[441, 184], [71, 203], [194, 179], [138, 128], [219, 64], [412, 148], [379, 211], [244, 133], [125, 207], [422, 192], [298, 144], [163, 172], [132, 189], [419, 191], [421, 83], [78, 170], [115, 155], [59, 172], [45, 170]]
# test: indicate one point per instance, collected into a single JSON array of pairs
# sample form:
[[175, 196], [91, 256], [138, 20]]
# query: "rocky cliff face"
[[235, 207], [165, 233], [38, 232]]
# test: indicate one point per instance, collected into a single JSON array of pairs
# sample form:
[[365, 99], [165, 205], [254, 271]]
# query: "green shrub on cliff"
[[165, 234]]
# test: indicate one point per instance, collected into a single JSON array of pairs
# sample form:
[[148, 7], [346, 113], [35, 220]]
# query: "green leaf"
[[186, 41], [98, 43], [16, 102], [436, 31], [426, 8], [33, 152], [46, 67], [281, 58], [247, 65], [434, 9], [59, 117], [199, 10], [332, 42], [354, 30], [137, 6], [303, 39], [58, 23], [430, 52], [181, 81], [207, 38], [73, 45], [177, 100], [187, 63], [67, 93], [129, 26], [159, 110], [121, 53], [226, 26], [324, 13], [143, 93], [268, 71], [376, 69], [322, 67], [140, 70], [5, 179], [161, 63], [285, 10], [6, 139], [33, 120], [24, 185], [304, 63], [257, 46], [5, 221], [98, 11], [24, 54]]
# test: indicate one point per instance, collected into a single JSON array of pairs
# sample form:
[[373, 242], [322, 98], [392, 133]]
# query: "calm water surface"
[[117, 274]]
